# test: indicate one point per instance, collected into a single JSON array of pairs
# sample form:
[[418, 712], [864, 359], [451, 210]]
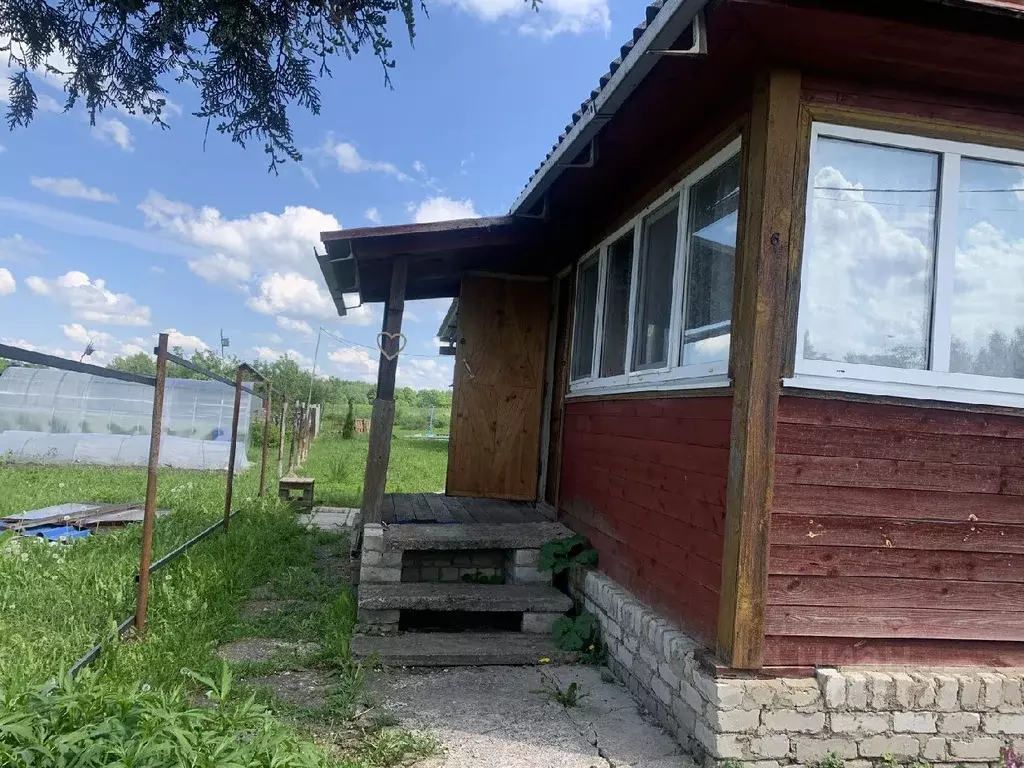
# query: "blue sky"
[[116, 232]]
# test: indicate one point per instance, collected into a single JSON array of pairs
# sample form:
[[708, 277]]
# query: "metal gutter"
[[663, 30]]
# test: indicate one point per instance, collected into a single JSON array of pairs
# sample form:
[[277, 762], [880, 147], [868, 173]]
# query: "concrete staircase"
[[474, 572]]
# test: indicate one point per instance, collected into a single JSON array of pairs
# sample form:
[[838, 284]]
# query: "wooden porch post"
[[383, 416], [770, 149]]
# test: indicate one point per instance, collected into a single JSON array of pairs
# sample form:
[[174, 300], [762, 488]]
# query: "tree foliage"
[[249, 61], [349, 428]]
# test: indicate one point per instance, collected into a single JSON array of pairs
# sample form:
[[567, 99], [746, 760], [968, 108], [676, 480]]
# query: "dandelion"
[[146, 687], [545, 660]]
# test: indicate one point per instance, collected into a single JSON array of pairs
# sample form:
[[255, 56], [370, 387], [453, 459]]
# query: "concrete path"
[[494, 717]]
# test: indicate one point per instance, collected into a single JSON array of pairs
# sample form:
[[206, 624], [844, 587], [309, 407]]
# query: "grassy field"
[[56, 601]]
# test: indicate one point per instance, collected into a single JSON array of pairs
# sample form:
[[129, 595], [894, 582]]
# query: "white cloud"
[[79, 334], [265, 241], [157, 270], [349, 160], [62, 221], [45, 349], [218, 268], [90, 300], [2, 149], [19, 248], [308, 175], [7, 283], [110, 130], [290, 324], [425, 373], [419, 167], [292, 293], [354, 363], [442, 209], [373, 215], [271, 355], [554, 17], [71, 187], [409, 316]]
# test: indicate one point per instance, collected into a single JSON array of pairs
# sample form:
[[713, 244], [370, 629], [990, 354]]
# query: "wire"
[[363, 346]]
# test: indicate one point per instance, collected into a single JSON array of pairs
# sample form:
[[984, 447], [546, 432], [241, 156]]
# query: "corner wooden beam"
[[770, 151], [383, 416]]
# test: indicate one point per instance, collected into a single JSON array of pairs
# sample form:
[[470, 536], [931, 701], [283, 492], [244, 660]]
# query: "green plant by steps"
[[579, 634], [559, 555]]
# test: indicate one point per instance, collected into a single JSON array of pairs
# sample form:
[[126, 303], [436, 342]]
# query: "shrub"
[[559, 555], [579, 634]]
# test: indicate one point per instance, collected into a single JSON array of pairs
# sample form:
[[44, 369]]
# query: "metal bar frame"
[[51, 361], [234, 447], [215, 376]]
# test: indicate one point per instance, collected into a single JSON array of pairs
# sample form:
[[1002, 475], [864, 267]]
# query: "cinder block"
[[539, 623], [856, 722], [811, 750], [770, 746], [976, 750], [897, 746], [960, 722], [379, 575], [914, 722], [527, 557], [791, 721]]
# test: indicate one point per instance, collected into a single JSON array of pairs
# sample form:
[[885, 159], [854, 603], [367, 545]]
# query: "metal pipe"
[[266, 440], [291, 446], [183, 548], [149, 516], [280, 439], [234, 446], [8, 352], [93, 653], [209, 374]]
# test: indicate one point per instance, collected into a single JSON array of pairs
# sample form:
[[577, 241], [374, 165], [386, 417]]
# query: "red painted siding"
[[897, 534], [645, 480]]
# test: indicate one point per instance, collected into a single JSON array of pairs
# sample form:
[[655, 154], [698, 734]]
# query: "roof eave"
[[664, 29]]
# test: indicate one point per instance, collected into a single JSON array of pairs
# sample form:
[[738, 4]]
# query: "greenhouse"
[[51, 416]]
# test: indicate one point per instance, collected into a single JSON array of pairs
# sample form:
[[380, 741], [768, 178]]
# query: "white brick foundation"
[[942, 716]]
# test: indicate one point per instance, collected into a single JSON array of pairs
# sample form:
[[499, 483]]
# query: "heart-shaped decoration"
[[382, 340]]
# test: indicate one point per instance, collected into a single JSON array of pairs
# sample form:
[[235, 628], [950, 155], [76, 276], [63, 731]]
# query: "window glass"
[[711, 265], [988, 289], [870, 254], [586, 311], [654, 287], [616, 305]]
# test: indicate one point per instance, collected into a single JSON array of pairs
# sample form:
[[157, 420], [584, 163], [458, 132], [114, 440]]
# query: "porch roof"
[[360, 260]]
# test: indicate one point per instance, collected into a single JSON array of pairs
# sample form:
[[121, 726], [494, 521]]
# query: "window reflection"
[[870, 253], [616, 305], [988, 300], [711, 265], [654, 287]]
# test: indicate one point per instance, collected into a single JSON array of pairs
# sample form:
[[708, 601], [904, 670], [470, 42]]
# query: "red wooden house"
[[755, 326]]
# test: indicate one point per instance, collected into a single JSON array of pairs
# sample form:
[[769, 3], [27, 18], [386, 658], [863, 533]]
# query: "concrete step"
[[462, 597], [473, 535], [460, 649]]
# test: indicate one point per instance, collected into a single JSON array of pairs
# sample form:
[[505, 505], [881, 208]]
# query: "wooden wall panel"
[[498, 393], [645, 480], [894, 527]]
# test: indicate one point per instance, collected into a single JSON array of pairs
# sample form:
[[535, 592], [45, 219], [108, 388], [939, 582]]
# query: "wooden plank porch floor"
[[438, 508]]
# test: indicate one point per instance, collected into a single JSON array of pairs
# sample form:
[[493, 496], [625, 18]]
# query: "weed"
[[1012, 759], [568, 697], [561, 554], [831, 760], [731, 763], [579, 634], [88, 723], [389, 746]]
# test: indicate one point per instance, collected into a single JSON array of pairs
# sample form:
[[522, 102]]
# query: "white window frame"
[[672, 375], [936, 382]]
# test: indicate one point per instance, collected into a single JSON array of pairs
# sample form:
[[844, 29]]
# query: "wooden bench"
[[286, 485]]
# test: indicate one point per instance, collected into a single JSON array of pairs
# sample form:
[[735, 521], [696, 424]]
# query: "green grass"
[[417, 465], [135, 703]]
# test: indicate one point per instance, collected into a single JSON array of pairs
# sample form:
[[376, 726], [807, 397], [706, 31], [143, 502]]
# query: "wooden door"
[[499, 388]]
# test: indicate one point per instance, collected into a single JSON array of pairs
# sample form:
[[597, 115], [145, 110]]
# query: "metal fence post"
[[291, 445], [280, 438], [149, 518], [232, 450], [266, 441]]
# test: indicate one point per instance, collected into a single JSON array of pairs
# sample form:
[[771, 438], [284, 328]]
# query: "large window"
[[653, 305], [913, 276]]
